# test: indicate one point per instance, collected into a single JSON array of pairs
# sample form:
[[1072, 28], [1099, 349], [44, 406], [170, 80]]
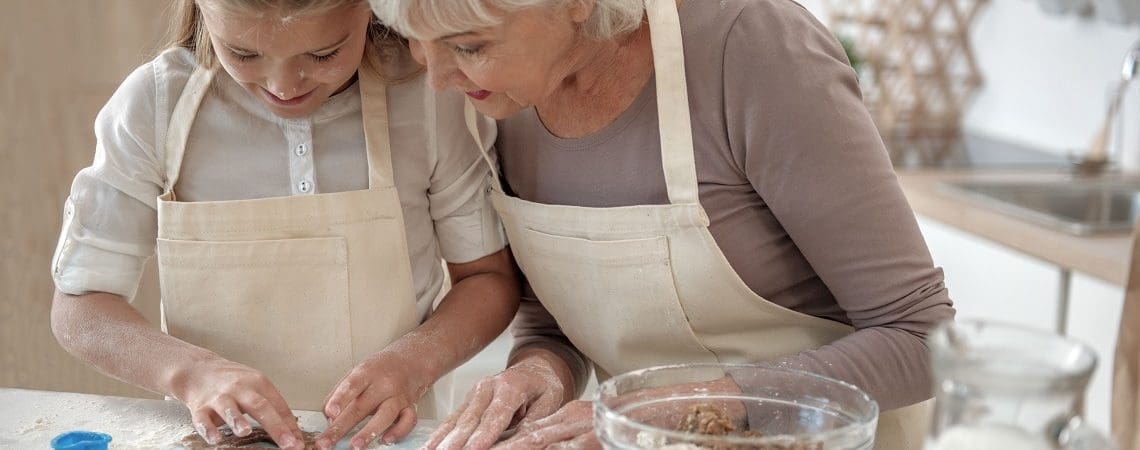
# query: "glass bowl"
[[749, 407]]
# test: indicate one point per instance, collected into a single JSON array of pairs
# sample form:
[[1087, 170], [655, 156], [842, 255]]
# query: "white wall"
[[1046, 77]]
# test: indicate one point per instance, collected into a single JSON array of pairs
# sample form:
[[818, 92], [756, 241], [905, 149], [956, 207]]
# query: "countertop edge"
[[1103, 256]]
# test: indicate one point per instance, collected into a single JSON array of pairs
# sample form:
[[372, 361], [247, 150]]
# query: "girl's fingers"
[[353, 413], [233, 416], [385, 415], [283, 430], [404, 425], [348, 389], [205, 426]]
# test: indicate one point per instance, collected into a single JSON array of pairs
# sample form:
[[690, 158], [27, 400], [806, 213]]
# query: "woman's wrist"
[[543, 359]]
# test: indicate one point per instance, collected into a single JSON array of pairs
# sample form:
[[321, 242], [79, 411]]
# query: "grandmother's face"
[[505, 68]]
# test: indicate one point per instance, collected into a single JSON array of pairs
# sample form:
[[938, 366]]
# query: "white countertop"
[[30, 419]]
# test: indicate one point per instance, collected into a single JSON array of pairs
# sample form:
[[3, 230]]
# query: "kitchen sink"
[[1076, 206]]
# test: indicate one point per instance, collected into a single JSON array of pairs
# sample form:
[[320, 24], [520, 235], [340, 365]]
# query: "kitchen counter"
[[30, 419], [1102, 256]]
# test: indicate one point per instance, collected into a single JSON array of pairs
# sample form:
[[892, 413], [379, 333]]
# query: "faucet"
[[1095, 160]]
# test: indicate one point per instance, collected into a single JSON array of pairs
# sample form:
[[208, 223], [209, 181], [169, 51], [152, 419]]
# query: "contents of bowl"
[[732, 407], [714, 421]]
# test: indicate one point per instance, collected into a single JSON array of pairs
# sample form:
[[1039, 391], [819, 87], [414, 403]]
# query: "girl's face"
[[291, 63], [504, 68]]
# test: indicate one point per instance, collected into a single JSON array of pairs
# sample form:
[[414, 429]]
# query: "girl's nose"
[[286, 82]]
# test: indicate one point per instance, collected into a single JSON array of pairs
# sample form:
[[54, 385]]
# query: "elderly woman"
[[750, 214]]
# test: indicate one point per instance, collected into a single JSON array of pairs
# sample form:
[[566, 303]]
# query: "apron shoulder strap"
[[180, 122], [672, 101], [471, 117], [377, 135]]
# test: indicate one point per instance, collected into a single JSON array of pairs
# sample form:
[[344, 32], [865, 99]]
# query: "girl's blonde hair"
[[188, 30]]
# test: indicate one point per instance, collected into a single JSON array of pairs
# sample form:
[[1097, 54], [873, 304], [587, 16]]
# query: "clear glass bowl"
[[672, 407]]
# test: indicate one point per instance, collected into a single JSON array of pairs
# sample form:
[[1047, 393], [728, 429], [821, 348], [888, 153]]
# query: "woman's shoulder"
[[716, 21]]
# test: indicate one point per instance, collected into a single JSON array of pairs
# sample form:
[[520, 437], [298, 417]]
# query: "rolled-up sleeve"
[[465, 223], [109, 218]]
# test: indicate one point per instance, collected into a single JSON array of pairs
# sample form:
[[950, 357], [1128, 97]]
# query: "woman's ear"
[[581, 10]]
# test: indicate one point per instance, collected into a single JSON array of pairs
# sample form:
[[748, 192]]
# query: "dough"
[[714, 421], [230, 440]]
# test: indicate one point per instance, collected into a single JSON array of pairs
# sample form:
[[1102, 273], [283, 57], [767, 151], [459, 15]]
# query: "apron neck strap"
[[674, 124], [377, 127], [180, 122], [673, 120], [471, 117], [374, 108]]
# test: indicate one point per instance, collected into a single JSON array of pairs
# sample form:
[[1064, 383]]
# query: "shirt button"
[[305, 186], [301, 150]]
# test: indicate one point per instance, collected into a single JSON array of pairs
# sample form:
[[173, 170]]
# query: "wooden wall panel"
[[59, 62]]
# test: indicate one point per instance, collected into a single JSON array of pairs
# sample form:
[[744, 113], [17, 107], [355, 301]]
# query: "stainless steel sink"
[[1076, 206]]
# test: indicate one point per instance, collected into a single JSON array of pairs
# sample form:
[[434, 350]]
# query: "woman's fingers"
[[495, 420], [445, 428], [570, 422], [468, 421], [588, 441]]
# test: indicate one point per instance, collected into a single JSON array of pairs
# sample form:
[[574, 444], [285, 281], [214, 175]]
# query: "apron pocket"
[[280, 306], [615, 300]]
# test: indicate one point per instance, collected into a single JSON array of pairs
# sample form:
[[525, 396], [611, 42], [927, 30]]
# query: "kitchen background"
[[1046, 79]]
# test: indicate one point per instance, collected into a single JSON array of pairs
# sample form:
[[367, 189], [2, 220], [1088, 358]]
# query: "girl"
[[302, 183]]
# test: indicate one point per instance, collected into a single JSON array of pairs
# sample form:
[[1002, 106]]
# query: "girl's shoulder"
[[155, 82]]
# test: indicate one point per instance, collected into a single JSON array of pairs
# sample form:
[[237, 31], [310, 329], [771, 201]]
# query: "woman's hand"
[[523, 393], [570, 427], [218, 391], [385, 386]]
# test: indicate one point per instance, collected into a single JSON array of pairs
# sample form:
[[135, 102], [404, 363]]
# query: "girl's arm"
[[479, 306], [106, 332]]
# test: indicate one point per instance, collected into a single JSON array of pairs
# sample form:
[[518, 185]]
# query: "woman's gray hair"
[[413, 18]]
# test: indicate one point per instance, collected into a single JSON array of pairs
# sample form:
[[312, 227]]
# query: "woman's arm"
[[811, 151]]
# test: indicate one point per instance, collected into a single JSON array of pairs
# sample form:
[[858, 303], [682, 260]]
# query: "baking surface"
[[30, 419]]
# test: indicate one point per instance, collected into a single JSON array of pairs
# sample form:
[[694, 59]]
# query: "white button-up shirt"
[[238, 149]]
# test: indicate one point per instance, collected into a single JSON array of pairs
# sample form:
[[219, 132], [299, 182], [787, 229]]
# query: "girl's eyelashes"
[[467, 50], [242, 57], [326, 57]]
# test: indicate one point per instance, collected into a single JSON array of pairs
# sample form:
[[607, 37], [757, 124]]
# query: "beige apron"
[[301, 288], [1126, 376], [647, 285]]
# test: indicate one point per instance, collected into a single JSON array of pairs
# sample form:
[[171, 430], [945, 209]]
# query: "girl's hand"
[[218, 391], [521, 394], [385, 386]]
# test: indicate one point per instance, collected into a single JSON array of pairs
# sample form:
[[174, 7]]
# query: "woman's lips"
[[479, 95], [290, 102]]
